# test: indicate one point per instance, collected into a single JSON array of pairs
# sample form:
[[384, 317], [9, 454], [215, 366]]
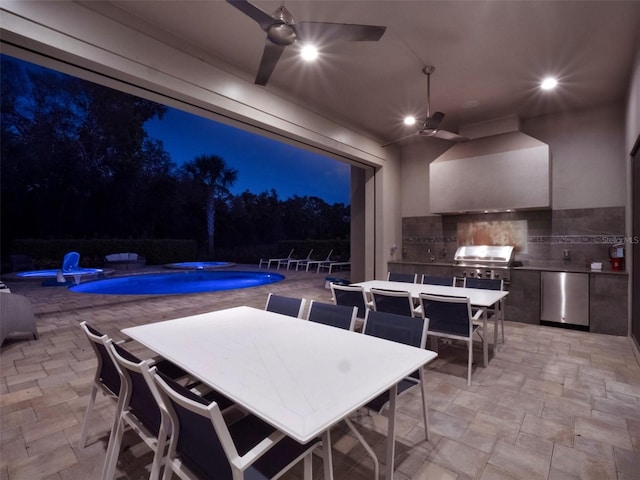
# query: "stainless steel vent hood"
[[506, 171]]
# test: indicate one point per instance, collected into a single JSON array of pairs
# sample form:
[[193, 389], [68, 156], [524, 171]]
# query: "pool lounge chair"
[[70, 267], [70, 262], [298, 261], [124, 261], [269, 261], [331, 264], [317, 263]]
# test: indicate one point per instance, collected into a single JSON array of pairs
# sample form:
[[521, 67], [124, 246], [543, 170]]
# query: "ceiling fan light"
[[282, 34], [309, 53], [549, 83], [409, 120], [428, 132]]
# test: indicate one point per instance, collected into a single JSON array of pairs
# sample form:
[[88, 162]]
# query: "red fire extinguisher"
[[616, 257]]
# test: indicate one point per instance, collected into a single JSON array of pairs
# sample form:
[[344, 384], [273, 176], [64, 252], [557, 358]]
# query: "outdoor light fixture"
[[309, 53], [549, 83], [409, 120]]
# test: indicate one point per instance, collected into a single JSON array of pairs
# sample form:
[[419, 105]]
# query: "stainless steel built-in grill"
[[484, 261]]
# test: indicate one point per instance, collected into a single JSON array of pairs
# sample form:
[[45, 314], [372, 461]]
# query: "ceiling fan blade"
[[399, 139], [263, 18], [454, 137], [338, 32], [433, 122], [270, 57]]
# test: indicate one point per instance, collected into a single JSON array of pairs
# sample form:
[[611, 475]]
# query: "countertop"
[[564, 268], [571, 269]]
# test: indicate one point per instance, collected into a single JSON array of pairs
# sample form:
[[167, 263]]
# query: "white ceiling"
[[489, 53]]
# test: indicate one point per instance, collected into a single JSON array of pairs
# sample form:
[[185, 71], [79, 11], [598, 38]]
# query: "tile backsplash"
[[545, 238]]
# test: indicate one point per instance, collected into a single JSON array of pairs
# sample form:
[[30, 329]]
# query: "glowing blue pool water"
[[199, 265], [43, 274], [196, 281]]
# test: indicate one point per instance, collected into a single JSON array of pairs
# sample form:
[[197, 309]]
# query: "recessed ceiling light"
[[309, 53], [549, 83], [409, 120]]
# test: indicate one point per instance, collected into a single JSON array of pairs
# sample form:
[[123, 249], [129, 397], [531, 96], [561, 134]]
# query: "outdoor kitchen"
[[541, 241]]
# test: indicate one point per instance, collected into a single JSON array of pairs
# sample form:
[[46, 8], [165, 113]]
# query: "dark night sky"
[[262, 163]]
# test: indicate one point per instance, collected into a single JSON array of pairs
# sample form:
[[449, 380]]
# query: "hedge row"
[[49, 253]]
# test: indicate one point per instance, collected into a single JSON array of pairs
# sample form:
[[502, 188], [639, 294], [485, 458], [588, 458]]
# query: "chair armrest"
[[256, 452], [479, 313]]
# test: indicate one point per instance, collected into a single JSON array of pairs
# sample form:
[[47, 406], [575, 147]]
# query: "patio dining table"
[[299, 376], [478, 297]]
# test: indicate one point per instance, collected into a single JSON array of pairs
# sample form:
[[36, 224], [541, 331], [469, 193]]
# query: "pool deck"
[[552, 404], [53, 303]]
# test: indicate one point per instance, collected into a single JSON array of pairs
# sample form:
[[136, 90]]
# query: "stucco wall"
[[588, 160], [633, 106]]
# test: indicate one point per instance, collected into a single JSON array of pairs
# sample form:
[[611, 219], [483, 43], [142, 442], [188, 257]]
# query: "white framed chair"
[[139, 409], [284, 262], [351, 296], [299, 261], [490, 284], [317, 263], [106, 378], [334, 315], [292, 307], [447, 281], [450, 317], [402, 329], [394, 301], [269, 261], [203, 446], [402, 277]]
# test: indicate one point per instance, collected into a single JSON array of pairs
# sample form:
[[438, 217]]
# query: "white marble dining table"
[[478, 297], [301, 377]]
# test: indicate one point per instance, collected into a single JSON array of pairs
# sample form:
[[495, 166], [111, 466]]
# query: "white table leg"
[[327, 455], [391, 433], [485, 344], [495, 329]]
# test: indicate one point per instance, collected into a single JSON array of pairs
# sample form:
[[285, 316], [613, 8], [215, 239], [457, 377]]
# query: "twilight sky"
[[262, 163]]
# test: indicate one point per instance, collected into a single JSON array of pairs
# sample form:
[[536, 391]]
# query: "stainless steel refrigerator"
[[565, 298]]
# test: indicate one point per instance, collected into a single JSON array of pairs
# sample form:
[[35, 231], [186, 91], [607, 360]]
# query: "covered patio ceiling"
[[489, 56]]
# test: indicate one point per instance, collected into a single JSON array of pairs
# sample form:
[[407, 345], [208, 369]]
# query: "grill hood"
[[495, 173]]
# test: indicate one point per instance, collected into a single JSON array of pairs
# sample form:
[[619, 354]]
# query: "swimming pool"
[[40, 274], [77, 273], [196, 281], [199, 265]]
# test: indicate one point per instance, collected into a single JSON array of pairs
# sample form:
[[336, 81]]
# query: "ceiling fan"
[[430, 125], [282, 30]]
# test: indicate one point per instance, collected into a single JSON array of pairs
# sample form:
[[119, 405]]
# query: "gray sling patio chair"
[[402, 329], [334, 315], [204, 446], [351, 296], [394, 301], [450, 317], [285, 305], [447, 281], [139, 408], [489, 284], [402, 277]]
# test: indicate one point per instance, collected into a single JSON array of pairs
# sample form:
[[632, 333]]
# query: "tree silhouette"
[[214, 177], [78, 163]]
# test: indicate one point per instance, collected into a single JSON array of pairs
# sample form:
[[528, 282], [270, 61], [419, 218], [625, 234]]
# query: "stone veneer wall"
[[586, 233]]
